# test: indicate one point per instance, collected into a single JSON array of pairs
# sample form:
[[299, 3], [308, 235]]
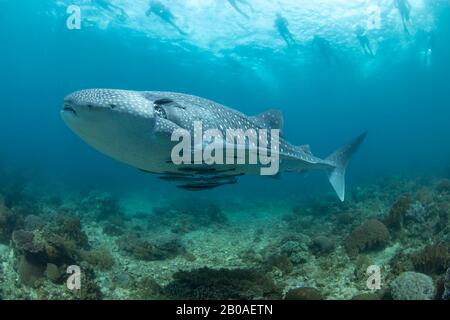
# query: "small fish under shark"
[[135, 127]]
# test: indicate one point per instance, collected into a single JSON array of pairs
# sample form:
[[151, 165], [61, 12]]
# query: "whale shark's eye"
[[160, 112], [112, 106]]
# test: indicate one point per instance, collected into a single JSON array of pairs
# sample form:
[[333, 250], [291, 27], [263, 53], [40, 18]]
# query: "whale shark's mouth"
[[70, 110]]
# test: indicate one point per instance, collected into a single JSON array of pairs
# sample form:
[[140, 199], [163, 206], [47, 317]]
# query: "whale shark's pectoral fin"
[[271, 119]]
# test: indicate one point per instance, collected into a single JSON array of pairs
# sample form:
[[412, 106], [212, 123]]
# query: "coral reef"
[[320, 205], [280, 262], [413, 286], [175, 249], [321, 245], [9, 220], [112, 230], [14, 192], [400, 263], [25, 242], [366, 296], [416, 212], [69, 227], [184, 216], [148, 288], [33, 222], [31, 262], [433, 259], [304, 293], [101, 205], [446, 294], [398, 211], [443, 186], [208, 283], [29, 270], [144, 250], [99, 258], [371, 235], [293, 247], [90, 290], [53, 273]]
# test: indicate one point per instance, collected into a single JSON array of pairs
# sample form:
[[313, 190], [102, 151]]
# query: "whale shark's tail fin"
[[340, 158]]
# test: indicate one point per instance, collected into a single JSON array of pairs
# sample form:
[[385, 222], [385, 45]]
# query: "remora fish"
[[136, 127]]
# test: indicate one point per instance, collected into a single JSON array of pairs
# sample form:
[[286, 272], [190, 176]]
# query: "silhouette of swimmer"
[[430, 46], [105, 4], [282, 25], [159, 9], [364, 41], [234, 4], [404, 7], [325, 49], [431, 41]]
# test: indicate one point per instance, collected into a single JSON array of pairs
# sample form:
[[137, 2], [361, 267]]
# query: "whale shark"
[[136, 128]]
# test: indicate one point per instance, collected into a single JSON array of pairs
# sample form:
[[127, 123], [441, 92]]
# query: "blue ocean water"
[[400, 96]]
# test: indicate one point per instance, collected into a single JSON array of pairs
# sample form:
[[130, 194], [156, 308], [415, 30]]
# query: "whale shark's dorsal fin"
[[271, 119]]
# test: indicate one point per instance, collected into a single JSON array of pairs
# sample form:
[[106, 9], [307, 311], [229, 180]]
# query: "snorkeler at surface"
[[361, 34], [404, 8], [325, 49], [234, 4], [282, 26], [159, 9], [431, 41], [429, 47], [107, 5]]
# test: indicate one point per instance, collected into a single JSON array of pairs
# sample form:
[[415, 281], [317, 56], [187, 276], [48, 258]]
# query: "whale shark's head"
[[130, 126], [90, 109], [111, 121]]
